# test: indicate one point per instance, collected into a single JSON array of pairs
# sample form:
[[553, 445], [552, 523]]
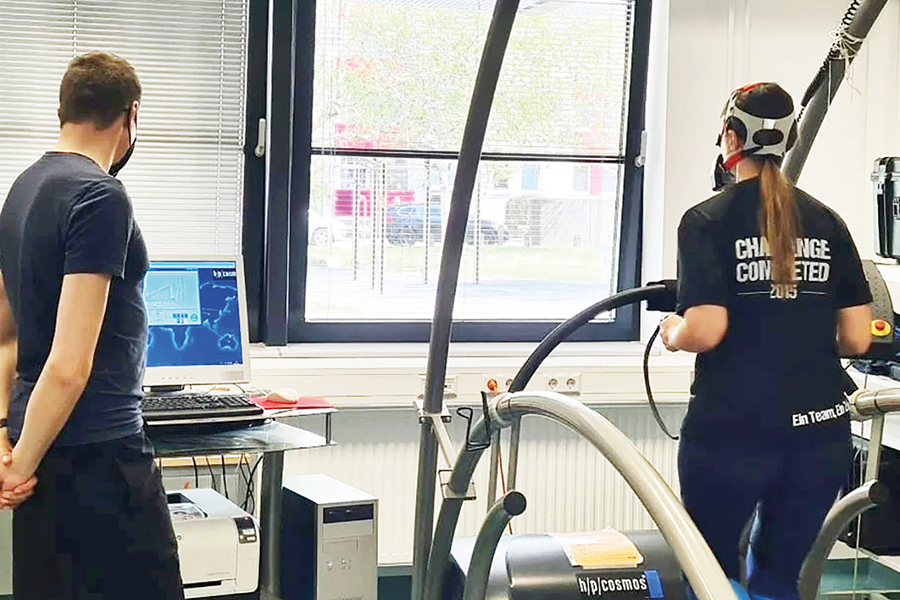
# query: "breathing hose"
[[650, 399], [660, 296]]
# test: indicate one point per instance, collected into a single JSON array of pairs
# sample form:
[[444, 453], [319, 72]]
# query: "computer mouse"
[[283, 395]]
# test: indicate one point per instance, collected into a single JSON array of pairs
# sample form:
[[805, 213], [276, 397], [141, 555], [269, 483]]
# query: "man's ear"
[[133, 112]]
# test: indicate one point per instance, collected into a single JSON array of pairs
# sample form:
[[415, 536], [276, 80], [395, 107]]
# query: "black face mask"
[[721, 177], [119, 164]]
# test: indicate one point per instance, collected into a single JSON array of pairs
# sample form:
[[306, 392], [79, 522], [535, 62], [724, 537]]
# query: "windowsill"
[[496, 349], [393, 375], [624, 355]]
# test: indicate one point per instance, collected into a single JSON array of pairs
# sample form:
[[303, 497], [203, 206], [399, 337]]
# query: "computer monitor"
[[197, 313]]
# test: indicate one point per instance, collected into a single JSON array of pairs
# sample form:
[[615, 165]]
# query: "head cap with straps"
[[763, 136]]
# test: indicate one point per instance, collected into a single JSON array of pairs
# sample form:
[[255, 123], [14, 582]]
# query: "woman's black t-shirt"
[[776, 374]]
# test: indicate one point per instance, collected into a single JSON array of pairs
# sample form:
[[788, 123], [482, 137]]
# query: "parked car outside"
[[405, 225], [324, 231]]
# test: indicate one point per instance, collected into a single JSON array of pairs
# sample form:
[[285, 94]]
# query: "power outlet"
[[502, 382], [563, 383]]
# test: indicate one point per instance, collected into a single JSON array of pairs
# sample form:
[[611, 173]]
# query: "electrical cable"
[[224, 477], [842, 46], [251, 488], [252, 484], [503, 481], [243, 476], [212, 476], [255, 465], [245, 479], [653, 406], [250, 390]]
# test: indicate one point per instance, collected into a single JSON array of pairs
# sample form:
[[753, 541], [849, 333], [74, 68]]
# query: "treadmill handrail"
[[700, 565], [867, 496], [498, 517], [865, 404]]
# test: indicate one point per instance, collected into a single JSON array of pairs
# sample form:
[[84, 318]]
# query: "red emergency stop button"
[[881, 328]]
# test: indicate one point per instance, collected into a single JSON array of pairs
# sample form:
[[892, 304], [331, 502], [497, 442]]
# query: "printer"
[[218, 545]]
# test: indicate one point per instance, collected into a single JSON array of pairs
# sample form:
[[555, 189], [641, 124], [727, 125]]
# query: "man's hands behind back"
[[15, 487]]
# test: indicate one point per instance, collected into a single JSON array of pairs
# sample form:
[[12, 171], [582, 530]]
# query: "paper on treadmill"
[[604, 549]]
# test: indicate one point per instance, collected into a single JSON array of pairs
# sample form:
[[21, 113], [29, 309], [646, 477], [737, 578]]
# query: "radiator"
[[568, 484]]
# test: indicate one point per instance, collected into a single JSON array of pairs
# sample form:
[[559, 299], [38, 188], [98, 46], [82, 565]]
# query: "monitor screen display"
[[194, 313]]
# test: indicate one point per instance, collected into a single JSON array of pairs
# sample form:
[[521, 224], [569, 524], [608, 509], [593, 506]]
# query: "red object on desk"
[[307, 402]]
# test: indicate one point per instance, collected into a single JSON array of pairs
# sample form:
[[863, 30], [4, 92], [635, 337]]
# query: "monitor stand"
[[158, 390]]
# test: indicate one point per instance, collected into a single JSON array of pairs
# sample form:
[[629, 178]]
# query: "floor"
[[836, 580], [844, 577], [389, 588], [395, 588]]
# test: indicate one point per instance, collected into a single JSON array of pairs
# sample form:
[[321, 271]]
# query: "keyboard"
[[189, 406]]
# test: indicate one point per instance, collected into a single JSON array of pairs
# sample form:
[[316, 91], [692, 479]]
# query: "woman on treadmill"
[[771, 292]]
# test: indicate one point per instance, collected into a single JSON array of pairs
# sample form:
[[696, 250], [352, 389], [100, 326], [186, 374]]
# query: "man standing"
[[73, 331]]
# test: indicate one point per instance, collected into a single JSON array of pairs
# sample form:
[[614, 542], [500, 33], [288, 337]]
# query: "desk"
[[270, 439]]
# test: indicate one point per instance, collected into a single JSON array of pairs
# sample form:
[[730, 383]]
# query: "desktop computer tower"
[[329, 548]]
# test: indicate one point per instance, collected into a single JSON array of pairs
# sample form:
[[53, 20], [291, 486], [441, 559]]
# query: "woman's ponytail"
[[778, 220]]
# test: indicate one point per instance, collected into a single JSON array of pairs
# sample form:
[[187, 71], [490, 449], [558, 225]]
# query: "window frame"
[[253, 232], [280, 303]]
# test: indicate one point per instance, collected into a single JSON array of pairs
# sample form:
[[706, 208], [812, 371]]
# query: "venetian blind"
[[186, 175]]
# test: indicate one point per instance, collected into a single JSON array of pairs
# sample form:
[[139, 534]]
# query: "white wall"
[[715, 46]]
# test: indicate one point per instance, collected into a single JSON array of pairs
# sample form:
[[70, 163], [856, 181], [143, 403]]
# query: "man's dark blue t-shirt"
[[65, 215]]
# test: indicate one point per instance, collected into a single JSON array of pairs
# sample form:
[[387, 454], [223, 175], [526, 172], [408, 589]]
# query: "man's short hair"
[[97, 87]]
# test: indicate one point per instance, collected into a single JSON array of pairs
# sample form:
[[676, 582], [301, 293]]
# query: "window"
[[552, 226], [186, 176]]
